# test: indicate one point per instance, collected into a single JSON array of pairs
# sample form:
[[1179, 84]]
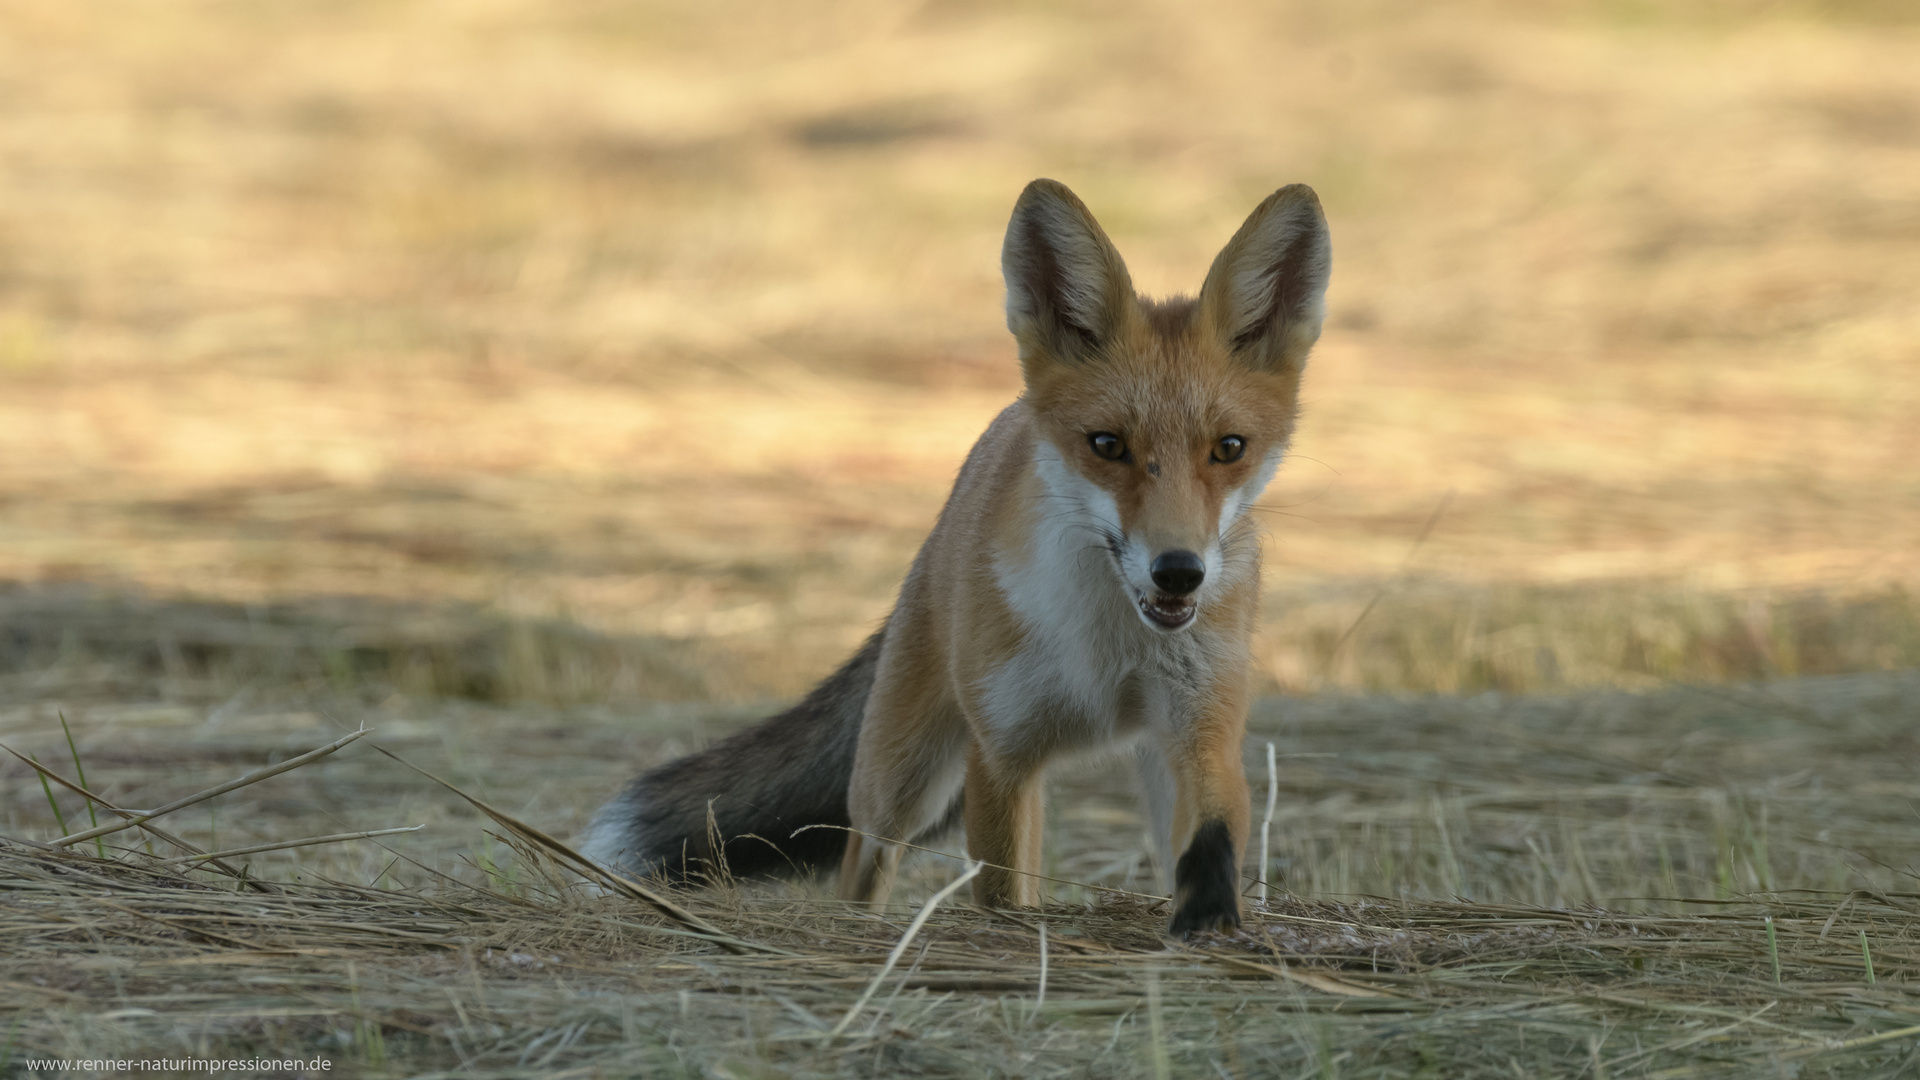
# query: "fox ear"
[[1266, 293], [1066, 285]]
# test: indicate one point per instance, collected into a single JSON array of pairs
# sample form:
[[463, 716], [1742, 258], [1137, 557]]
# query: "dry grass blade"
[[1419, 541], [288, 845], [587, 867], [1864, 1040], [129, 815], [1040, 994], [919, 920], [1312, 980], [254, 777], [1708, 1035], [1266, 823]]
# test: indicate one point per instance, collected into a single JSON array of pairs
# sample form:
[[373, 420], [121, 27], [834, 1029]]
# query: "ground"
[[1700, 880]]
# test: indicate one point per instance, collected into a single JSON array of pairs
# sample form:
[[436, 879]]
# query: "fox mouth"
[[1168, 612]]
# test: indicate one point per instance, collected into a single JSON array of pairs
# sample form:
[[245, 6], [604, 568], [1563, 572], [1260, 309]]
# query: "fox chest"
[[1046, 700], [1079, 677]]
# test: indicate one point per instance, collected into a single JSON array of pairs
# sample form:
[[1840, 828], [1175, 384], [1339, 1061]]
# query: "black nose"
[[1178, 572]]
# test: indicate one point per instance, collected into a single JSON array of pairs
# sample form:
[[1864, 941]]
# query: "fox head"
[[1162, 421]]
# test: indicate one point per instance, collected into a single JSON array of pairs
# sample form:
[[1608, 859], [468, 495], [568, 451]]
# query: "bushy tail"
[[786, 772]]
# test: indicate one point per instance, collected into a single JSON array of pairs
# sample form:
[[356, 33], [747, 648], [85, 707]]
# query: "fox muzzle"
[[1178, 573]]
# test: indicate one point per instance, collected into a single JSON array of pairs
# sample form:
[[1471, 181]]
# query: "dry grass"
[[1417, 635], [547, 983], [1484, 886]]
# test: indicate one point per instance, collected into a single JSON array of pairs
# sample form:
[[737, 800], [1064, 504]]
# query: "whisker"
[[1278, 512]]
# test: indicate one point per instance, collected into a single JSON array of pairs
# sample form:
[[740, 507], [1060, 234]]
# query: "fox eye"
[[1229, 449], [1107, 445]]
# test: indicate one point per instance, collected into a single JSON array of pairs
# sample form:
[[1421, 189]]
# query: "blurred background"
[[590, 351]]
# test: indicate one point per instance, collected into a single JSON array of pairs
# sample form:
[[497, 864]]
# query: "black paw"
[[1206, 883], [1192, 919]]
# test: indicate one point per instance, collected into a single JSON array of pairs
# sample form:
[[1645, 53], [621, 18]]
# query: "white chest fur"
[[1075, 682]]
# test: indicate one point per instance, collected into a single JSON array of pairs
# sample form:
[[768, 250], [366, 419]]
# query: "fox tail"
[[750, 792]]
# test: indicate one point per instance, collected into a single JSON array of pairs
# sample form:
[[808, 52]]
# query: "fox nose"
[[1178, 572]]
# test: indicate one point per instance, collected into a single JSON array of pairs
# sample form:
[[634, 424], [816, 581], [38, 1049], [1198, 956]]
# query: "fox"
[[1092, 580]]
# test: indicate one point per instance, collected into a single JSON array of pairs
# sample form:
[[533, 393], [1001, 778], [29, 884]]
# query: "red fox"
[[1093, 578]]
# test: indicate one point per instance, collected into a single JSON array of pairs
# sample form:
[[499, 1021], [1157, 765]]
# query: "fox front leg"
[[1210, 815]]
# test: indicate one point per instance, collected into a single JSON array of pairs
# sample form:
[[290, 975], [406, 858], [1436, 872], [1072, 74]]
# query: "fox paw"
[[1206, 893], [1194, 918]]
